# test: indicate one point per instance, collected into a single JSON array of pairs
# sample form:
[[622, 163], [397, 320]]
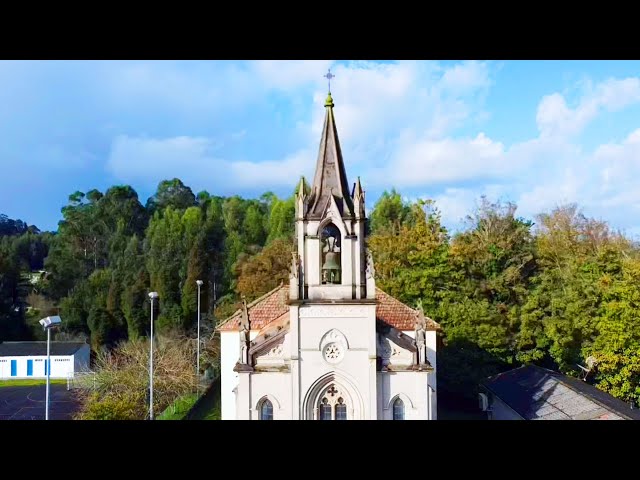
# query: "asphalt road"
[[27, 403]]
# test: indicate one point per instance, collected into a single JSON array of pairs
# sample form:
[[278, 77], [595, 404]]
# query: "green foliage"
[[265, 270], [281, 219], [391, 213], [505, 294], [125, 407], [119, 388], [178, 409], [171, 193], [412, 258], [504, 290]]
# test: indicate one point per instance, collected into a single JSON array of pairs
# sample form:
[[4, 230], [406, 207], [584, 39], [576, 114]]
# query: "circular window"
[[332, 353]]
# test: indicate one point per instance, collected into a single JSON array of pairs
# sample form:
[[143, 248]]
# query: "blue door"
[[14, 368], [30, 368], [45, 368]]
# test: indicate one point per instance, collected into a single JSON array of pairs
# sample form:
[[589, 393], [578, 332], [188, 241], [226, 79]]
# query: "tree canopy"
[[553, 290]]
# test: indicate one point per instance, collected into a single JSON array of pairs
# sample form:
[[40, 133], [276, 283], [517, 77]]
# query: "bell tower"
[[331, 262]]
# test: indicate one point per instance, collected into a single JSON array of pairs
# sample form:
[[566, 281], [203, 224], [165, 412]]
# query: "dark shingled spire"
[[330, 177]]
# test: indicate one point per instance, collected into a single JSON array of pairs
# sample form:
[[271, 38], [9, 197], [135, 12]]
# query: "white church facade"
[[330, 345]]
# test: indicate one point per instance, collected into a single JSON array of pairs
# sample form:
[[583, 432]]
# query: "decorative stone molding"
[[275, 351], [326, 311]]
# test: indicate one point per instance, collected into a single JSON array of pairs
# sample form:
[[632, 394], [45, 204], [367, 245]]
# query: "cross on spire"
[[329, 76]]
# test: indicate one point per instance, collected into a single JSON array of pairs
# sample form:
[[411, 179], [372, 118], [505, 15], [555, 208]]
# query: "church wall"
[[411, 387], [276, 386], [330, 292], [356, 364], [431, 344], [431, 341], [229, 355]]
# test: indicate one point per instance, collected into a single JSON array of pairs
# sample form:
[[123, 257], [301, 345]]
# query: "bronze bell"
[[331, 268]]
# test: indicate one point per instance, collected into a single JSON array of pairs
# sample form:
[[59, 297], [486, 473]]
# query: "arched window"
[[341, 410], [332, 405], [266, 410], [325, 410], [398, 409], [331, 264]]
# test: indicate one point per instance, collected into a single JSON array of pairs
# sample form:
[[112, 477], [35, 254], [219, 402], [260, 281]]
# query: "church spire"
[[330, 178]]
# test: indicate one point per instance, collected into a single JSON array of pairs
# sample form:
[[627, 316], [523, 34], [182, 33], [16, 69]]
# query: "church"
[[330, 345]]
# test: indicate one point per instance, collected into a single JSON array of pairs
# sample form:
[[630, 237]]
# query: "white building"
[[330, 345], [29, 359]]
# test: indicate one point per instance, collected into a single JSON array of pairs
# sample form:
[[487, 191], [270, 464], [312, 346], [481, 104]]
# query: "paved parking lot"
[[27, 403]]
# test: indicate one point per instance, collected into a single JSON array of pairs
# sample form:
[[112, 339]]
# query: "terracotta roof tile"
[[274, 305], [395, 313], [262, 311]]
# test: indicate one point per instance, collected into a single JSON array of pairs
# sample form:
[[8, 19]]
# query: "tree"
[[265, 270], [171, 193], [165, 251], [411, 261], [281, 219], [390, 212]]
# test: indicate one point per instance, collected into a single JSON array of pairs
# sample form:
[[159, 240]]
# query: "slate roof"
[[537, 393], [24, 349], [274, 305]]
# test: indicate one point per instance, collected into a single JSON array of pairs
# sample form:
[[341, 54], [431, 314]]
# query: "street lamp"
[[48, 323], [152, 296], [199, 283]]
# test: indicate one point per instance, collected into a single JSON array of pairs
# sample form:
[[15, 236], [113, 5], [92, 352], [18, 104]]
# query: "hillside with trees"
[[506, 290]]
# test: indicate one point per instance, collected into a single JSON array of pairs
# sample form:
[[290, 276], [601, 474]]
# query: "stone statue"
[[420, 338], [370, 269], [244, 334]]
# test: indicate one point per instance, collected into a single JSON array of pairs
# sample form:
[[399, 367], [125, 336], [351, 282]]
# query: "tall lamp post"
[[49, 323], [199, 283], [152, 296]]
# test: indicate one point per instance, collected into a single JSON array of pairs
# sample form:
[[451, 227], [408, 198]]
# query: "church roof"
[[330, 177], [274, 306], [393, 312], [262, 311]]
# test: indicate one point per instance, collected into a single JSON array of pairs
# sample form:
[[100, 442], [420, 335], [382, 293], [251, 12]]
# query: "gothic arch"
[[274, 401], [335, 220], [333, 335], [341, 382], [405, 398]]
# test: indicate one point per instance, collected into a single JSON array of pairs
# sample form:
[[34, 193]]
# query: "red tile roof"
[[262, 311], [274, 305], [395, 313]]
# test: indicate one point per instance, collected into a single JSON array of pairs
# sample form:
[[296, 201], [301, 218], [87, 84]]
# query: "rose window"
[[332, 353]]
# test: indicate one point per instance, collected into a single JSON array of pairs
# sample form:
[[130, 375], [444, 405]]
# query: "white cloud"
[[424, 162], [150, 160], [398, 124], [555, 117]]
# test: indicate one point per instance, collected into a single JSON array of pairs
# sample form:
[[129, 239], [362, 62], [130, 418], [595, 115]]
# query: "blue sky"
[[538, 133]]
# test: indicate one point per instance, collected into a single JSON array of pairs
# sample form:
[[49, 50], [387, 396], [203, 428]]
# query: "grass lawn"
[[209, 407], [179, 408], [27, 382]]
